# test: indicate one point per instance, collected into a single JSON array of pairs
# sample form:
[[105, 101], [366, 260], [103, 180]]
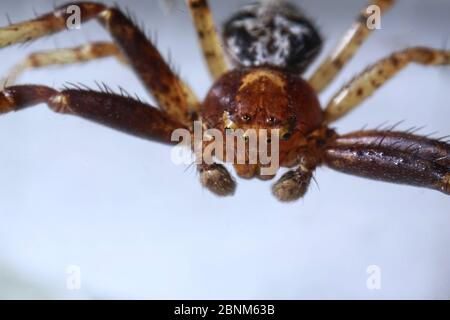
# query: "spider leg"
[[174, 96], [364, 85], [293, 184], [217, 179], [396, 157], [115, 111], [88, 52], [207, 35], [346, 48]]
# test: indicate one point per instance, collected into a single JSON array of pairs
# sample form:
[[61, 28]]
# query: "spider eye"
[[271, 120], [286, 136], [246, 118], [292, 118]]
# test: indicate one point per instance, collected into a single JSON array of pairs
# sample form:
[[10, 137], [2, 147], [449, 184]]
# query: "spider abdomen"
[[271, 33]]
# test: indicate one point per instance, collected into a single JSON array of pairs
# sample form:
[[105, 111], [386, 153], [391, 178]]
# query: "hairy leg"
[[115, 111], [393, 157], [118, 112], [84, 53], [346, 48], [293, 184], [216, 178], [364, 85], [209, 40], [174, 96]]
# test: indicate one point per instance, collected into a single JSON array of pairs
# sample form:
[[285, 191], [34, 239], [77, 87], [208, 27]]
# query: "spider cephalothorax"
[[264, 98], [271, 44]]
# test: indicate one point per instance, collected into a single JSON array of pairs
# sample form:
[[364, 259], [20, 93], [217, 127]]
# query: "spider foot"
[[292, 185], [217, 179]]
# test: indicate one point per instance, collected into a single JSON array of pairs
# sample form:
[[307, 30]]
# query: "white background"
[[75, 193]]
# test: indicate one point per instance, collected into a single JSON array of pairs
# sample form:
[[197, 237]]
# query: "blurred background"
[[77, 196]]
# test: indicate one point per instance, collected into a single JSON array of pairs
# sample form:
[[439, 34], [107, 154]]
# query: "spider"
[[270, 46]]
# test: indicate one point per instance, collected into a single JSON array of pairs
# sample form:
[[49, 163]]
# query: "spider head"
[[271, 33], [254, 100]]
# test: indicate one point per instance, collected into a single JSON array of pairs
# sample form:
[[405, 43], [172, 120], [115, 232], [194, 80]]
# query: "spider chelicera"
[[270, 46]]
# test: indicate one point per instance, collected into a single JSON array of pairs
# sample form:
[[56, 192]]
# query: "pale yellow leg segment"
[[209, 40], [364, 85], [23, 32], [65, 56], [347, 47], [44, 25], [84, 53]]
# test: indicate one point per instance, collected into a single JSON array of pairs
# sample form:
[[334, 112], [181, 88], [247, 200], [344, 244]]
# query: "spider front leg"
[[174, 96], [393, 157], [115, 111], [213, 176], [217, 179], [293, 184], [364, 85], [346, 48]]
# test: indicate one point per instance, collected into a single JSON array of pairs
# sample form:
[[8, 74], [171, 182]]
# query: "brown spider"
[[271, 46]]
